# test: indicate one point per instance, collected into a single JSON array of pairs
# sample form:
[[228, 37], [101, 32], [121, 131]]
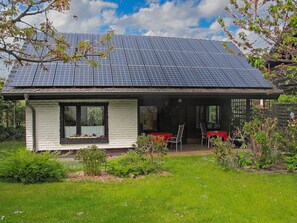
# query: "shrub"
[[150, 145], [92, 159], [262, 136], [133, 164], [223, 152], [291, 162], [27, 167]]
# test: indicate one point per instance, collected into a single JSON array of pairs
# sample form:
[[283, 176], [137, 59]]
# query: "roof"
[[144, 62]]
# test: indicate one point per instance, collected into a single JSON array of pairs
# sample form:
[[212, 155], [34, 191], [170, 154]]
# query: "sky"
[[175, 18]]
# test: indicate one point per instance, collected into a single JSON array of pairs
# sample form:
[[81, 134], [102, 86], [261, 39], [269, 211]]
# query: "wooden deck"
[[190, 150]]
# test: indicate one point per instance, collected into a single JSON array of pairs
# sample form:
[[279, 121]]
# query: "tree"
[[49, 45], [267, 33]]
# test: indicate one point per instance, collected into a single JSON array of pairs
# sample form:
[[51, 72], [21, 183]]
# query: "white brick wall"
[[122, 124]]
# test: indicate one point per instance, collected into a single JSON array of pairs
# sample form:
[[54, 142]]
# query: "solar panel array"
[[141, 61]]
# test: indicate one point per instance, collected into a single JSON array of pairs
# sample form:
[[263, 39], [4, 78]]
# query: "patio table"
[[222, 134], [164, 135]]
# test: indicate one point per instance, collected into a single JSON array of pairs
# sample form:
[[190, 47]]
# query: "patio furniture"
[[164, 135], [221, 134], [178, 138], [203, 134]]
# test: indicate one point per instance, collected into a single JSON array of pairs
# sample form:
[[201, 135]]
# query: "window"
[[148, 116], [213, 117], [210, 115], [83, 123]]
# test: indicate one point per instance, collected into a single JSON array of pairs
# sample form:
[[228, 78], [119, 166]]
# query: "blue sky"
[[179, 18]]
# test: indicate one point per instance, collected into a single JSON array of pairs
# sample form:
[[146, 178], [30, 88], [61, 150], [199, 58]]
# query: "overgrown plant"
[[262, 138], [92, 158], [28, 167], [151, 146]]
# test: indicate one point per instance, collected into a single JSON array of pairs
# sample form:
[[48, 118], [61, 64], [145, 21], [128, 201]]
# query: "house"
[[147, 84]]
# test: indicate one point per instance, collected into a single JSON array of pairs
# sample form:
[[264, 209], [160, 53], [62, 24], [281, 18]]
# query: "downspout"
[[33, 120]]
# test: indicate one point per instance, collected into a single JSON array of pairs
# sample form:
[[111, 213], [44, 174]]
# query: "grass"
[[197, 191]]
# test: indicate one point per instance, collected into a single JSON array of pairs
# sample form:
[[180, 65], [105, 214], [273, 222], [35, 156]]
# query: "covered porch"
[[165, 114]]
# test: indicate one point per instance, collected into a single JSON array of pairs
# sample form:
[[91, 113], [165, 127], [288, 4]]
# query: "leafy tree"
[[49, 45], [267, 32]]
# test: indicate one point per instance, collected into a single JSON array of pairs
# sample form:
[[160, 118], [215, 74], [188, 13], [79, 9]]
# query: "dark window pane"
[[92, 121], [149, 118], [69, 121]]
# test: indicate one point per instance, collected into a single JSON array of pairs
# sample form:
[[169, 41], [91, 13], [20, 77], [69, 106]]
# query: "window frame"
[[78, 106]]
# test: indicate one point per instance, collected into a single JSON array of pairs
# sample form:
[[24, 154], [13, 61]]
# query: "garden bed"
[[103, 177]]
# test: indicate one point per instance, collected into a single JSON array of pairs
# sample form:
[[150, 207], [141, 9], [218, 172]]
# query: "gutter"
[[26, 96]]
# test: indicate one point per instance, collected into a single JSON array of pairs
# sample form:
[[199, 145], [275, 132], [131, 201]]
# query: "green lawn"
[[197, 191]]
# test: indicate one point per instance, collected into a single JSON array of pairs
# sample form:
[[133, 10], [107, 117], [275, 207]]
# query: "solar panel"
[[129, 42], [220, 78], [144, 43], [139, 76], [196, 45], [31, 51], [235, 79], [102, 76], [243, 61], [70, 38], [121, 76], [179, 58], [207, 60], [117, 56], [116, 41], [248, 78], [23, 75], [156, 76], [64, 75], [134, 57], [85, 37], [206, 78], [157, 43], [83, 75], [219, 48], [45, 77], [225, 60], [173, 76], [190, 79], [171, 43], [164, 58], [208, 45], [260, 79], [184, 44], [149, 57], [195, 59], [233, 47]]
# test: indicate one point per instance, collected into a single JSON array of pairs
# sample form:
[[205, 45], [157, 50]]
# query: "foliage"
[[133, 164], [15, 29], [11, 133], [287, 138], [291, 162], [271, 23], [226, 157], [287, 99], [92, 159], [150, 145], [12, 118], [27, 167]]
